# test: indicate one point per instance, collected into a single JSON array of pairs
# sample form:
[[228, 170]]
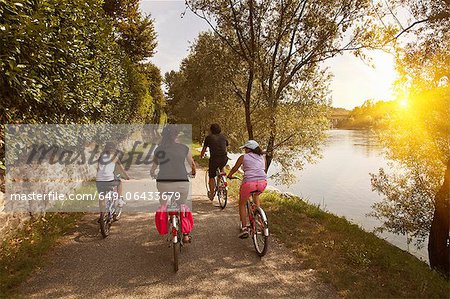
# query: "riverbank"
[[357, 263]]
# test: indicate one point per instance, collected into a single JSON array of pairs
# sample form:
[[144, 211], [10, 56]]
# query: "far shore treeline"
[[370, 115]]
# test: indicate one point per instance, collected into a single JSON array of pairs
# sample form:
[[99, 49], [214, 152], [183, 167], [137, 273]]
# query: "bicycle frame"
[[251, 206], [223, 176], [174, 223], [111, 202], [177, 240], [220, 187]]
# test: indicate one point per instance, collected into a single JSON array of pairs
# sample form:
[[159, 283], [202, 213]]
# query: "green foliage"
[[418, 140], [204, 92], [407, 208], [417, 137], [136, 33], [201, 92], [21, 252], [154, 82], [280, 47], [62, 62], [357, 263]]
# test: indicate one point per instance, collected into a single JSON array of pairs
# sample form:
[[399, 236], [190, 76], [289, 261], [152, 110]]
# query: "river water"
[[340, 182]]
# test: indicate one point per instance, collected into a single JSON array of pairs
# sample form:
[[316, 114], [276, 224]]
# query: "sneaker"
[[121, 202], [244, 233], [211, 195], [187, 238]]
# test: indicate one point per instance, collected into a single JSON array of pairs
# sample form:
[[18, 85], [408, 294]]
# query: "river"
[[340, 182]]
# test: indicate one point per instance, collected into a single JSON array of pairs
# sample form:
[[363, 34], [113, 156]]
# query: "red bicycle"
[[259, 224]]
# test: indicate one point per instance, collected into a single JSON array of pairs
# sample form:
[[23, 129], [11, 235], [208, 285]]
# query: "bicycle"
[[175, 236], [221, 190], [259, 224], [113, 211]]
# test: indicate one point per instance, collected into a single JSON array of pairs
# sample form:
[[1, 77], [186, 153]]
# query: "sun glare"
[[403, 103]]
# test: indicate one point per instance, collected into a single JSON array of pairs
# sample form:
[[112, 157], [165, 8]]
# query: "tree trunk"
[[269, 152], [438, 244], [247, 102], [271, 142]]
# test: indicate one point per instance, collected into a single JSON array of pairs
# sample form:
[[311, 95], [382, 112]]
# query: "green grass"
[[196, 155], [357, 263], [23, 251]]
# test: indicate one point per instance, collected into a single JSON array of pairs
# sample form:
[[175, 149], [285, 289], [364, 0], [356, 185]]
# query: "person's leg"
[[223, 163], [243, 216], [256, 199], [102, 189], [119, 188], [242, 211], [212, 185], [212, 177], [244, 194]]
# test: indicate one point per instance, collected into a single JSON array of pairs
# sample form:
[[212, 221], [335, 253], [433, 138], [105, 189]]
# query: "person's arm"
[[121, 169], [192, 162], [236, 166], [153, 168], [205, 146]]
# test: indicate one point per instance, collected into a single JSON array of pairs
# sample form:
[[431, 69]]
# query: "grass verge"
[[357, 263], [196, 155], [22, 252]]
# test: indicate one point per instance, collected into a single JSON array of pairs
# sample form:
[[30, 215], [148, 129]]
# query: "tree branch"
[[410, 26]]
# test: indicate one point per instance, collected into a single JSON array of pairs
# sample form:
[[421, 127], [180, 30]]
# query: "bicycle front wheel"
[[260, 229], [117, 213]]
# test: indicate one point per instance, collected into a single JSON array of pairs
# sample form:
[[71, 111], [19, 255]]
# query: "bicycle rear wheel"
[[105, 224], [260, 234], [176, 253]]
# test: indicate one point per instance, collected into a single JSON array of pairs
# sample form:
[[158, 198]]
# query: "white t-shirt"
[[106, 167]]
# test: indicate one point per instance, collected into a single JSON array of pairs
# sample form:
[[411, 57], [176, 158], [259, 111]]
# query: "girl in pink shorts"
[[253, 163]]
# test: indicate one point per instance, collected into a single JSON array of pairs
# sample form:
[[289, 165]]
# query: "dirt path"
[[134, 261]]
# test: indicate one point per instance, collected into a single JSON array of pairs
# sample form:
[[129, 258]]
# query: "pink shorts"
[[247, 188]]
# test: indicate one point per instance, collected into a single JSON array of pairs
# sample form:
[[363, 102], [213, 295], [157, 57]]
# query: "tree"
[[136, 33], [154, 82], [418, 139], [282, 44], [204, 91], [201, 92], [60, 63]]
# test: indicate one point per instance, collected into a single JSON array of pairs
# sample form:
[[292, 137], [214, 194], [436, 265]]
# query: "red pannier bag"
[[187, 220], [161, 220]]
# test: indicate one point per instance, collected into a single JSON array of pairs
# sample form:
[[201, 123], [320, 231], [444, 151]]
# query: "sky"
[[354, 81]]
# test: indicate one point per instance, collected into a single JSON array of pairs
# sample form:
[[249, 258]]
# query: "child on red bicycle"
[[253, 163]]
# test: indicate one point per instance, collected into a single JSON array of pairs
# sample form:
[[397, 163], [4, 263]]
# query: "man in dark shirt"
[[217, 144]]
